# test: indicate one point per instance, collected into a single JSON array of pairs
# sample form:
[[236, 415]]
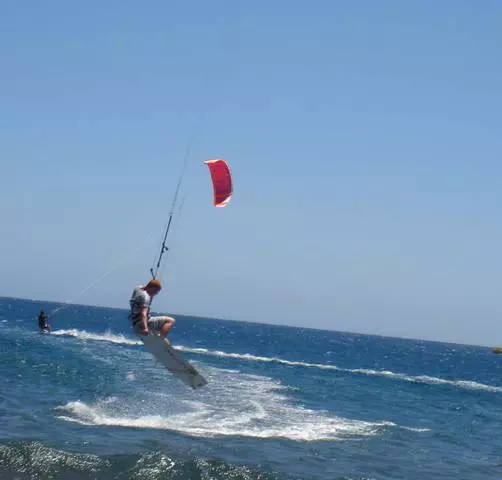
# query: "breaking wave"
[[30, 460]]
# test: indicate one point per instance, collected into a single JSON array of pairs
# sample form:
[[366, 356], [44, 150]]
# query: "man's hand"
[[144, 331]]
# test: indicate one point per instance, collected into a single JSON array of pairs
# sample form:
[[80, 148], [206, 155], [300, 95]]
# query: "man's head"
[[153, 287]]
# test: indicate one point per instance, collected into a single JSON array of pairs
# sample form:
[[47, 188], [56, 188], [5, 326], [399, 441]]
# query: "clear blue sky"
[[364, 139]]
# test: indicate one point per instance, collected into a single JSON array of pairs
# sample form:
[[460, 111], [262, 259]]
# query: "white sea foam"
[[99, 337], [237, 405]]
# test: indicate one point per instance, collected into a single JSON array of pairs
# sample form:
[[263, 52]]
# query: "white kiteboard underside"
[[173, 360]]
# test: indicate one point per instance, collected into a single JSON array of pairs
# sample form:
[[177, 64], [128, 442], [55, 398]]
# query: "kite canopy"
[[222, 181]]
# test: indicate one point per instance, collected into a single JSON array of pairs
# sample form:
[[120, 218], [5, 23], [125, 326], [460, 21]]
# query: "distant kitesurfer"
[[42, 322], [140, 301]]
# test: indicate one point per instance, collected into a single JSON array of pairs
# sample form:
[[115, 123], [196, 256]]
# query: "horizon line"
[[391, 337]]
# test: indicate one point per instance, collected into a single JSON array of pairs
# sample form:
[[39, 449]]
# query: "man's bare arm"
[[144, 320]]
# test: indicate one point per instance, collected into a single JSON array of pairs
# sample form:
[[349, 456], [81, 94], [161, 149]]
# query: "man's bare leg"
[[167, 327]]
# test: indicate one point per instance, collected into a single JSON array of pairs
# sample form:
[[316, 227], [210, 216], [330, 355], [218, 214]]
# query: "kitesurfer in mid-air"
[[42, 322], [140, 301]]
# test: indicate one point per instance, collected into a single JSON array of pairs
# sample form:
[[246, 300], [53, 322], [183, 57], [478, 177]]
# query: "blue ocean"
[[89, 402]]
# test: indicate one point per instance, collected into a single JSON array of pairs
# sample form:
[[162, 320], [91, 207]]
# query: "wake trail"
[[420, 379]]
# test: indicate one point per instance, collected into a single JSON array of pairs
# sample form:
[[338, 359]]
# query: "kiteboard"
[[173, 360]]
